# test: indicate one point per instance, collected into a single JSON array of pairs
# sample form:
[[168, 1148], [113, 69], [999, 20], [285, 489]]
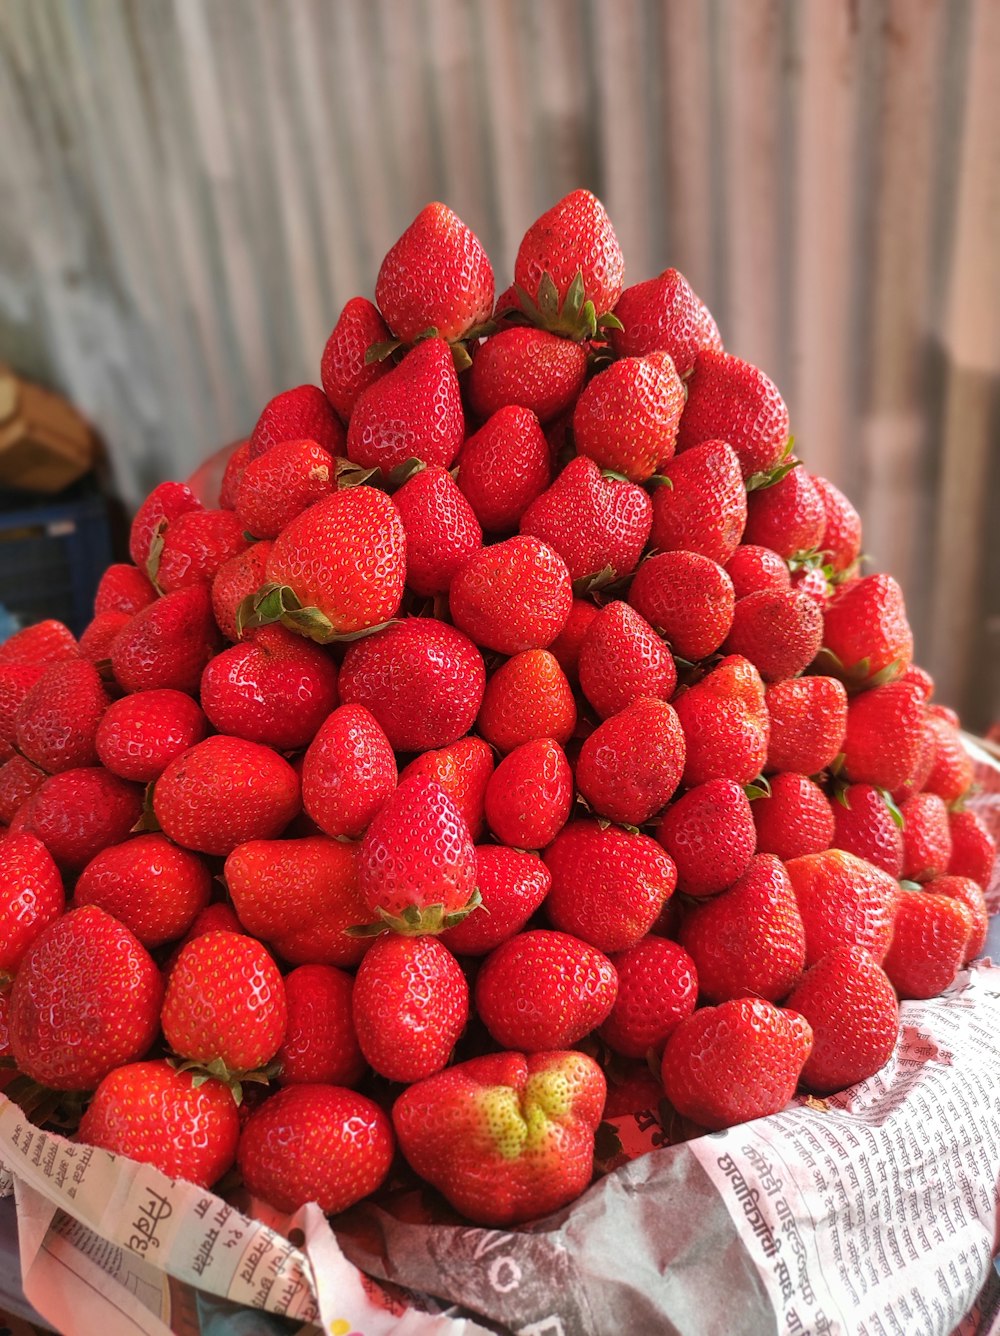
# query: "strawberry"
[[688, 598], [164, 505], [233, 472], [349, 772], [300, 896], [951, 771], [663, 313], [794, 818], [930, 942], [544, 990], [512, 885], [750, 939], [843, 901], [235, 580], [421, 679], [86, 999], [46, 642], [626, 419], [884, 735], [503, 467], [631, 764], [224, 1004], [622, 658], [598, 525], [530, 794], [194, 547], [98, 636], [657, 989], [840, 541], [274, 688], [710, 834], [808, 723], [813, 582], [866, 637], [442, 530], [436, 277], [970, 893], [148, 884], [945, 712], [166, 645], [279, 485], [31, 897], [527, 368], [779, 631], [788, 516], [140, 735], [920, 678], [16, 680], [186, 1127], [415, 412], [568, 644], [217, 917], [850, 1004], [527, 697], [19, 779], [704, 506], [77, 813], [506, 1137], [926, 837], [410, 1006], [123, 588], [302, 414], [223, 791], [320, 1042], [463, 770], [732, 400], [608, 885], [58, 718], [417, 862], [732, 1063], [751, 568], [973, 848], [575, 245], [345, 371], [725, 724], [865, 825], [513, 596], [315, 1143]]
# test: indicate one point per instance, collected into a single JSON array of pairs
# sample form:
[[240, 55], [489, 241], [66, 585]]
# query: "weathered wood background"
[[192, 188]]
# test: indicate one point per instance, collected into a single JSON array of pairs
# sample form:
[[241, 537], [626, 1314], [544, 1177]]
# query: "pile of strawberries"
[[517, 742]]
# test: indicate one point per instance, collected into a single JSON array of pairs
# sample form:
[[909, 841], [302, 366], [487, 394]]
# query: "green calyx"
[[217, 1070], [278, 603], [758, 788], [417, 922], [574, 318], [768, 477], [858, 677]]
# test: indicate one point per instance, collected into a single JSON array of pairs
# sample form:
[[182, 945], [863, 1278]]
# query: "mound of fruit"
[[519, 721]]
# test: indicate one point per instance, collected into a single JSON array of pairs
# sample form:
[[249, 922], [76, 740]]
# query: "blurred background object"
[[193, 188]]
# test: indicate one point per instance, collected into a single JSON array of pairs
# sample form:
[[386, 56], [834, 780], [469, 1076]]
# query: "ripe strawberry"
[[973, 848], [16, 680], [752, 568], [186, 1127], [929, 943], [503, 467], [225, 1003], [704, 508], [527, 368], [626, 419], [544, 990], [569, 642], [506, 1138], [725, 724], [527, 697], [301, 414], [513, 596], [58, 718], [140, 735], [850, 1004], [599, 526], [808, 723], [86, 999], [150, 885], [631, 764], [320, 1043], [794, 818], [840, 542], [732, 400], [195, 545], [926, 837], [442, 530], [415, 412], [315, 1143], [843, 901], [574, 237], [280, 484], [436, 276], [165, 504], [223, 791], [31, 897], [664, 313], [951, 771], [463, 770], [622, 658], [945, 712], [530, 794], [812, 581], [349, 772], [410, 1006], [920, 678], [866, 636], [788, 517], [235, 580], [688, 598], [300, 896], [512, 884], [19, 779], [166, 645], [217, 917], [709, 832], [99, 635], [732, 1063], [864, 825], [344, 371], [657, 989], [970, 893], [608, 886], [77, 813], [884, 734], [233, 472], [123, 588], [750, 939], [779, 631]]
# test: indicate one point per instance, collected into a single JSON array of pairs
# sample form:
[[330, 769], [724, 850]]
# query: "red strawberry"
[[970, 893], [436, 277], [195, 545], [794, 818], [280, 484], [751, 568], [527, 697], [315, 1143], [866, 635], [506, 1138], [19, 779], [732, 1063], [58, 718], [235, 580], [864, 825], [544, 990], [951, 772], [688, 598], [233, 472], [320, 1043], [569, 642], [513, 596], [709, 833], [657, 989], [77, 813], [442, 531], [574, 237], [225, 1003], [140, 735], [843, 901], [926, 837], [166, 645], [732, 400], [920, 678], [185, 1126], [788, 517], [302, 414], [223, 791], [884, 735], [626, 419], [150, 885], [86, 999], [704, 507], [410, 1006], [165, 504], [528, 368], [973, 848], [44, 643], [97, 638], [530, 794], [664, 313], [850, 1004], [608, 886], [345, 372], [512, 884], [779, 631], [274, 688], [622, 658], [217, 917], [812, 581], [725, 724], [31, 897], [349, 772], [840, 542], [16, 680], [503, 467], [415, 412], [463, 770], [808, 723], [123, 588], [631, 764], [599, 526], [930, 942]]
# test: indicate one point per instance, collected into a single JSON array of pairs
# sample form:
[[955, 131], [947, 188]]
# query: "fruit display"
[[517, 724]]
